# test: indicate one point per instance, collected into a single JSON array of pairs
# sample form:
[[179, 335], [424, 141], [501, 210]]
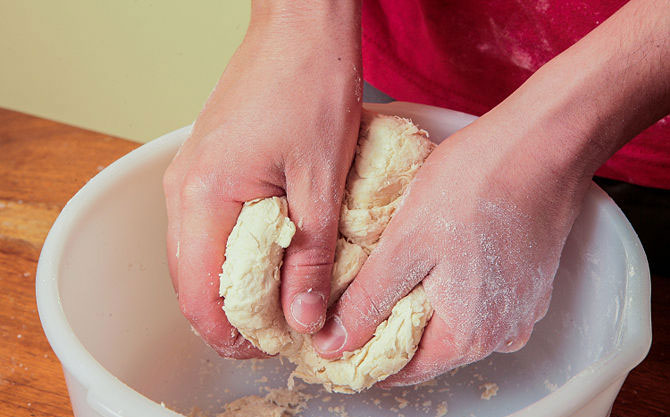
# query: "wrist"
[[307, 19], [307, 43], [304, 35]]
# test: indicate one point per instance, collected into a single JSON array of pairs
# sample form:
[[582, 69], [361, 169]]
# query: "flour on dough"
[[390, 150]]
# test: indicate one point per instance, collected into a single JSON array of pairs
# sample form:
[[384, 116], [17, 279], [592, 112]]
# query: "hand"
[[482, 227], [283, 120], [485, 220]]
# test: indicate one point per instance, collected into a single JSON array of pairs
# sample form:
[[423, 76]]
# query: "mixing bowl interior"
[[117, 296]]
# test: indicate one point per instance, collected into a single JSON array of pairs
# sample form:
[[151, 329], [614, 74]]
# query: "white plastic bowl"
[[109, 312]]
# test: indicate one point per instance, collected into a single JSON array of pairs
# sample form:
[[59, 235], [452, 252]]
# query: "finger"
[[452, 337], [314, 205], [206, 221], [518, 342], [521, 339], [543, 306], [439, 351], [171, 182], [393, 269]]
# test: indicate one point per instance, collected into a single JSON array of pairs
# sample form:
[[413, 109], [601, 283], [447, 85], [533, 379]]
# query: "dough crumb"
[[442, 409], [549, 386], [279, 402], [490, 390], [339, 410], [402, 403]]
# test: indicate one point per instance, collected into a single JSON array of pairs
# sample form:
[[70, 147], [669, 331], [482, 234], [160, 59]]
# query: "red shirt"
[[469, 55]]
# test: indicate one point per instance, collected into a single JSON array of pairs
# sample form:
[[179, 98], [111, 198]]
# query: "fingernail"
[[308, 309], [331, 338]]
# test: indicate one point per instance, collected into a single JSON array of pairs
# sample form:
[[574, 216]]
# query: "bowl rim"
[[107, 393]]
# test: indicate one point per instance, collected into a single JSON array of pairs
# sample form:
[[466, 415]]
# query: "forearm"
[[333, 25], [290, 47], [597, 95]]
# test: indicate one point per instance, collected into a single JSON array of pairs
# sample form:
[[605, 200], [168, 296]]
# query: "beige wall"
[[135, 69]]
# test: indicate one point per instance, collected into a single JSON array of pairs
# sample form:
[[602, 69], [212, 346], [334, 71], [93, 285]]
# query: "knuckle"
[[516, 342], [171, 179], [229, 344], [514, 345], [311, 268], [472, 347], [235, 347], [245, 351], [195, 188], [366, 306], [199, 185], [543, 307], [315, 256]]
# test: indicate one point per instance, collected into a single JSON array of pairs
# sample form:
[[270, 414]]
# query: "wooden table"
[[42, 164]]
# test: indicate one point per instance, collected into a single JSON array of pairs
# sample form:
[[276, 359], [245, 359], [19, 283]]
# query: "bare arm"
[[601, 92], [283, 120], [486, 218]]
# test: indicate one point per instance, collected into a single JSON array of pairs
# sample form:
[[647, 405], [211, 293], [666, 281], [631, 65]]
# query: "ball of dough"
[[249, 281], [389, 152]]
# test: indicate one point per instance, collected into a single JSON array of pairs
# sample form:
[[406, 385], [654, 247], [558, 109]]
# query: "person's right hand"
[[283, 120]]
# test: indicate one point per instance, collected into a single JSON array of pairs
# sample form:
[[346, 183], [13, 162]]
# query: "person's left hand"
[[482, 227], [485, 220]]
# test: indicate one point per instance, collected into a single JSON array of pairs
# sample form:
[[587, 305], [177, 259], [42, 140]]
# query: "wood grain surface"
[[42, 164]]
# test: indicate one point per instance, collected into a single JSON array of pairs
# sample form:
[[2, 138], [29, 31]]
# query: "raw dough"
[[250, 277], [277, 403], [349, 257], [252, 406], [392, 346], [390, 150]]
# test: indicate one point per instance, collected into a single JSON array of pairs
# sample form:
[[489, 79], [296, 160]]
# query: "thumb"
[[392, 270], [314, 205]]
